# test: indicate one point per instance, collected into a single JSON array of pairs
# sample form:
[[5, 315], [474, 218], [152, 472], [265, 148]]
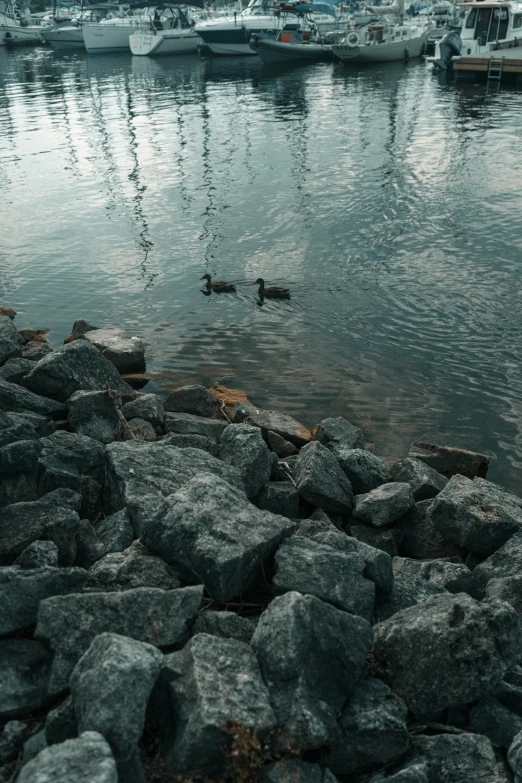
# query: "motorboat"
[[293, 44], [385, 41], [174, 34], [15, 27], [231, 35], [111, 35], [68, 34], [491, 31]]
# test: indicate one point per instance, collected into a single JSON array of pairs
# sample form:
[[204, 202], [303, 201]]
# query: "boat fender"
[[353, 40], [406, 54]]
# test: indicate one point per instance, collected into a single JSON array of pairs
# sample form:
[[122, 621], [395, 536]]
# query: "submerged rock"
[[212, 534]]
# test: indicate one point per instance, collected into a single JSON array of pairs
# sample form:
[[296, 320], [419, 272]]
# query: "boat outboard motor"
[[449, 47]]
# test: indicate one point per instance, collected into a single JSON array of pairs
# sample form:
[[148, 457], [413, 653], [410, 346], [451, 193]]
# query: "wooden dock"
[[466, 65]]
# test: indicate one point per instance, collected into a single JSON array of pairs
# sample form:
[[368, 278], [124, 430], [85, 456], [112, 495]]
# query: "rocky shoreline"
[[194, 589]]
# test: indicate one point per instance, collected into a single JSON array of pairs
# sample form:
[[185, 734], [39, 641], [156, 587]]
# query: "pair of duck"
[[222, 287]]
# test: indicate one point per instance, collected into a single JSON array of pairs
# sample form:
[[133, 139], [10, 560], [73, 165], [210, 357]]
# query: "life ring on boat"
[[353, 40]]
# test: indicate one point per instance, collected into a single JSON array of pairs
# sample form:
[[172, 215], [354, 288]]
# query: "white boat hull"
[[12, 34], [65, 38], [104, 38], [384, 52], [145, 42]]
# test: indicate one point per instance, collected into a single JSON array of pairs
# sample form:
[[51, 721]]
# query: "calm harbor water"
[[390, 204]]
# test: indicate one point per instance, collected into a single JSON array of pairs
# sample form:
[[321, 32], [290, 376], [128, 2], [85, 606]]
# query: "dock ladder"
[[495, 68]]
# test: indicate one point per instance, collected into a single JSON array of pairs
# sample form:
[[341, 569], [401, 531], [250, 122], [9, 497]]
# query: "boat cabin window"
[[499, 25], [472, 18], [517, 20], [482, 26]]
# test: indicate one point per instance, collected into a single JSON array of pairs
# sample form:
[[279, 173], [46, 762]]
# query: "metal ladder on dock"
[[495, 68]]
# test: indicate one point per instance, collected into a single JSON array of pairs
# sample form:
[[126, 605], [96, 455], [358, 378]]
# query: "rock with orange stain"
[[8, 311], [229, 396]]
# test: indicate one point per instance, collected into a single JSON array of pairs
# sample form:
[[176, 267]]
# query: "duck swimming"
[[274, 291], [220, 286]]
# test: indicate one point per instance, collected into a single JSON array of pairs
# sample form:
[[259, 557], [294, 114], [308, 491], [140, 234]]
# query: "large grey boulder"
[[373, 730], [192, 442], [320, 480], [377, 564], [24, 675], [387, 539], [454, 577], [22, 590], [279, 497], [296, 771], [68, 624], [120, 347], [38, 554], [515, 757], [140, 476], [136, 567], [87, 759], [148, 407], [212, 534], [16, 399], [280, 423], [78, 366], [228, 625], [11, 341], [311, 656], [338, 433], [92, 413], [89, 548], [212, 686], [507, 588], [363, 469], [478, 516], [408, 590], [195, 400], [110, 688], [188, 424], [505, 562], [116, 532], [424, 480], [36, 350], [15, 369], [142, 430], [334, 576], [45, 520], [421, 539], [447, 651], [385, 504], [76, 452], [450, 461], [243, 447], [494, 720], [461, 758]]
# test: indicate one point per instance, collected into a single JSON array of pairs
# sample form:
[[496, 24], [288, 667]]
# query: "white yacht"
[[489, 42], [69, 35], [15, 27], [173, 35], [111, 35]]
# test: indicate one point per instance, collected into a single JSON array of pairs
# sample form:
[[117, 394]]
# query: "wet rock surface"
[[243, 447], [123, 349], [195, 400], [87, 759], [320, 480]]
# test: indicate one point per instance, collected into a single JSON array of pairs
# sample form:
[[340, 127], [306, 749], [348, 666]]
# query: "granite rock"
[[38, 554], [338, 433], [320, 480], [120, 347], [148, 407], [450, 461], [188, 424], [243, 447], [17, 399], [195, 400], [228, 625], [278, 497], [425, 481], [363, 469], [44, 520], [92, 413], [24, 674], [136, 567], [384, 505], [87, 759]]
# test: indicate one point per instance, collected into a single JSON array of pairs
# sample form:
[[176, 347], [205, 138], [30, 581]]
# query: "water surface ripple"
[[389, 203]]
